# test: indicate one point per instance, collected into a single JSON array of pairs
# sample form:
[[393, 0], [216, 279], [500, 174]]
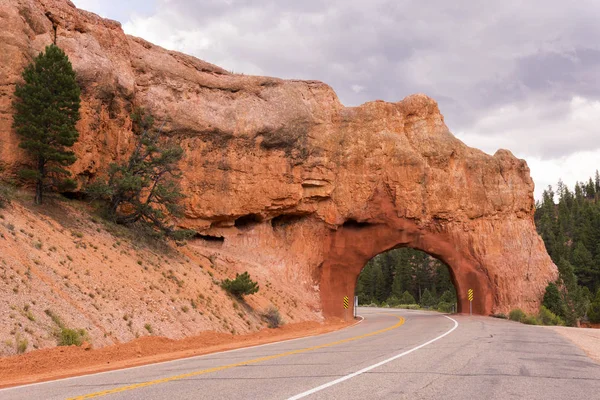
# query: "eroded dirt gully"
[[62, 362]]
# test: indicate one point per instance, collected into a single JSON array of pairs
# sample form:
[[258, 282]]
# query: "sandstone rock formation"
[[279, 173]]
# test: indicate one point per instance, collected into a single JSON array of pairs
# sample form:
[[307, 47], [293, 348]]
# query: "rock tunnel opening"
[[406, 278], [350, 249]]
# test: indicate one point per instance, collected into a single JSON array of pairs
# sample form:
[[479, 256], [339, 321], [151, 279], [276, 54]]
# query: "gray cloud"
[[118, 10]]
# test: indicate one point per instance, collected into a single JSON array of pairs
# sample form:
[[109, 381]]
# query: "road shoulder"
[[63, 362], [587, 339]]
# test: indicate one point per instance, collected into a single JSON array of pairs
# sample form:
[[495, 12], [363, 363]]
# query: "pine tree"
[[593, 311], [427, 299], [553, 300], [449, 296], [46, 112], [407, 298], [145, 188], [590, 189], [379, 282], [584, 263], [241, 286]]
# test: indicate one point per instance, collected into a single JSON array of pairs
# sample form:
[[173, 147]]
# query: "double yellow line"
[[229, 366]]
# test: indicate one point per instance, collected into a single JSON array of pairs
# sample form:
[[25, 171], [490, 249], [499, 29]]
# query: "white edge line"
[[177, 359], [379, 364]]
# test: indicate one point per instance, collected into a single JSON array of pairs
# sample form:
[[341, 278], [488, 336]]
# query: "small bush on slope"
[[273, 318], [517, 315], [66, 336], [240, 286], [547, 317], [69, 337], [530, 320]]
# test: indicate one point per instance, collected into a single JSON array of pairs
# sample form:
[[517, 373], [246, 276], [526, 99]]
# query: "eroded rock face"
[[294, 182]]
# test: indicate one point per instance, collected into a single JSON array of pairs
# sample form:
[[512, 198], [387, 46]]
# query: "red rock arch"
[[353, 245]]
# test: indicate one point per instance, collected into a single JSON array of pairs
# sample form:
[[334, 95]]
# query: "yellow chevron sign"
[[470, 293], [346, 302]]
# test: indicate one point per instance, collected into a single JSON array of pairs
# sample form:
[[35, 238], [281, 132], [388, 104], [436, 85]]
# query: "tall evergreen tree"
[[46, 112]]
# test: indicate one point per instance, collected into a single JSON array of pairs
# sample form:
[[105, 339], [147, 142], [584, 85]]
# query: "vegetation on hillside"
[[6, 192], [406, 276], [145, 189], [46, 112], [569, 223], [241, 286]]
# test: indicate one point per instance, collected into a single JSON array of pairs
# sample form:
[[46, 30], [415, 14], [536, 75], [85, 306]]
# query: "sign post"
[[470, 294], [346, 304], [355, 305]]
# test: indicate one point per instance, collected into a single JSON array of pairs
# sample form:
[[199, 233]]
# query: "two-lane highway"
[[396, 354]]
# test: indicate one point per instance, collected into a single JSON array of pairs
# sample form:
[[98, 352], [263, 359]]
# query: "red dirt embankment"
[[62, 266], [62, 362]]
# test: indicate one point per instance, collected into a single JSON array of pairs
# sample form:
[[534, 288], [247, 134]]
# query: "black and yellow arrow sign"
[[346, 302], [470, 293]]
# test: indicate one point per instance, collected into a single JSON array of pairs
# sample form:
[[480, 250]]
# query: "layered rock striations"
[[280, 174]]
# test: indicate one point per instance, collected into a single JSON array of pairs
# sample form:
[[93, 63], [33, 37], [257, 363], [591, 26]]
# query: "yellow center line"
[[229, 366]]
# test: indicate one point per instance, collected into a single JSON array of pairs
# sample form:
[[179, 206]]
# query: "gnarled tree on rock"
[[145, 188]]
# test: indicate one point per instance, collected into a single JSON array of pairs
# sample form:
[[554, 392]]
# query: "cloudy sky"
[[521, 75]]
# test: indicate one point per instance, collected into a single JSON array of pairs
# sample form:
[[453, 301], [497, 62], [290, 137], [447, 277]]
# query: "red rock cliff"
[[290, 178]]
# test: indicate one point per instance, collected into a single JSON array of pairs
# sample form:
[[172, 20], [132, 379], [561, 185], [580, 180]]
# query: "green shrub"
[[69, 337], [547, 317], [408, 306], [393, 301], [148, 327], [55, 318], [449, 296], [517, 315], [407, 298], [240, 286], [273, 318], [593, 312], [553, 301], [22, 345], [427, 299], [530, 320], [66, 336], [6, 193], [499, 315], [445, 307]]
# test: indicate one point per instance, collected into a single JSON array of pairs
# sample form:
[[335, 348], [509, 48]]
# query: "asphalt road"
[[392, 354]]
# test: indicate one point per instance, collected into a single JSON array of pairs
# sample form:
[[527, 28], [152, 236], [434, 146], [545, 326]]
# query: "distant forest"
[[568, 222], [406, 276]]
